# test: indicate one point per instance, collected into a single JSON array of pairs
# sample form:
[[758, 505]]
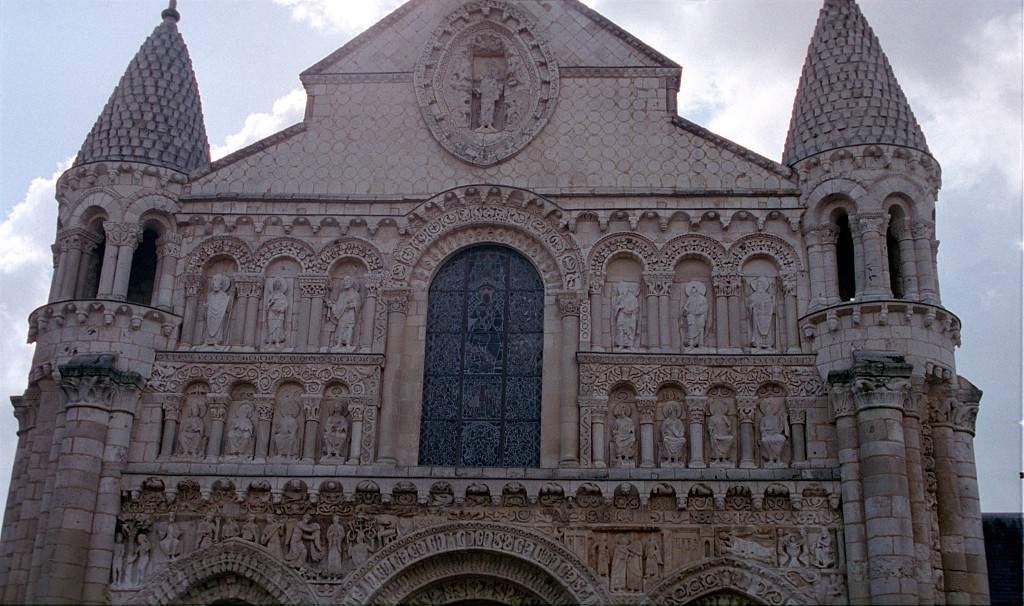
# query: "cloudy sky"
[[960, 64]]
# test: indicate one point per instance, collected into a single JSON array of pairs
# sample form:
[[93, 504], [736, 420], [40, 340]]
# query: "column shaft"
[[695, 416], [569, 381], [397, 304]]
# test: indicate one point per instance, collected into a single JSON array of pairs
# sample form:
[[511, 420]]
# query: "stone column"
[[872, 236], [916, 405], [314, 289], [696, 407], [789, 306], [598, 415], [218, 410], [923, 232], [368, 314], [122, 238], [650, 321], [171, 406], [193, 284], [821, 261], [311, 407], [264, 419], [397, 303], [253, 294], [735, 312], [55, 278], [72, 243], [965, 413], [745, 407], [797, 410], [168, 252], [113, 234], [880, 383], [844, 417], [596, 321], [908, 263], [645, 406], [569, 309], [355, 443]]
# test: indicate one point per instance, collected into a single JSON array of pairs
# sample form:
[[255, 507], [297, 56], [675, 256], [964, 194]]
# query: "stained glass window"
[[482, 368]]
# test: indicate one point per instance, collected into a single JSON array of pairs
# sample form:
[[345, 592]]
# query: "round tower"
[[110, 309], [877, 325]]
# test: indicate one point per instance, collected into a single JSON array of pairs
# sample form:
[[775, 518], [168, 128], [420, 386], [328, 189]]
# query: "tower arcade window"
[[483, 362], [142, 278], [845, 273], [892, 246]]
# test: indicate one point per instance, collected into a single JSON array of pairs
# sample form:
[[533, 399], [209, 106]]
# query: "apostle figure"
[[190, 437], [336, 436], [695, 311], [624, 436], [143, 550], [673, 435], [271, 537], [119, 559], [720, 430], [653, 560], [626, 314], [171, 543], [218, 306], [773, 430], [762, 310], [304, 543], [276, 314], [241, 431], [346, 313], [207, 531], [251, 530], [335, 546]]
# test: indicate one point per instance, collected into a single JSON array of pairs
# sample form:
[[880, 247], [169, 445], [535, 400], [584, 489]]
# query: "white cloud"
[[286, 111], [339, 15]]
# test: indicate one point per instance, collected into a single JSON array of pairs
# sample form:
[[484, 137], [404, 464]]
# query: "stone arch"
[[633, 245], [398, 570], [769, 245], [262, 578], [694, 245], [284, 247], [827, 190], [148, 203], [507, 216], [727, 575], [228, 246], [106, 199], [917, 196], [352, 248]]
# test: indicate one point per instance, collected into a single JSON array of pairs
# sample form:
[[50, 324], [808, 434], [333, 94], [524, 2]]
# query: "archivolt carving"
[[219, 245], [284, 247], [634, 244], [233, 557], [690, 245], [727, 574], [350, 247], [385, 568], [769, 245], [501, 215]]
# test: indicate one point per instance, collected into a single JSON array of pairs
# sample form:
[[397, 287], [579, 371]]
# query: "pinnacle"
[[848, 94]]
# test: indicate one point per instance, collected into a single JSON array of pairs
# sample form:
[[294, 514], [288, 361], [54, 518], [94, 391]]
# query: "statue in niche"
[[762, 310], [171, 543], [206, 530], [626, 314], [824, 555], [276, 314], [335, 445], [286, 431], [491, 68], [241, 432], [117, 566], [218, 308], [653, 560], [774, 431], [627, 565], [143, 552], [191, 438], [230, 529], [604, 557], [721, 432], [624, 436], [250, 530], [673, 436], [793, 549], [335, 546], [271, 537], [304, 543], [345, 312], [695, 311], [128, 576]]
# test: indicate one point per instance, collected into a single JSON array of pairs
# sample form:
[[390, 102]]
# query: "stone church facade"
[[494, 323]]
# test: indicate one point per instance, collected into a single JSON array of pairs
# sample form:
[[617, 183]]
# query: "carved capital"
[[356, 412], [92, 380], [871, 224], [217, 406], [696, 407], [76, 238], [568, 304], [923, 229], [312, 287], [169, 245], [311, 406], [193, 283], [825, 233], [745, 408], [726, 285], [840, 400], [396, 300], [265, 408], [171, 406], [646, 407], [122, 234]]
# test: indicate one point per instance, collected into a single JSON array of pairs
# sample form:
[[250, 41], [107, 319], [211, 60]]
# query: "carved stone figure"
[[304, 543], [335, 546], [748, 547], [627, 565], [218, 309], [191, 437], [604, 557], [653, 560], [673, 436], [143, 553], [271, 537], [762, 310], [250, 530], [345, 310], [276, 315], [131, 558], [286, 430], [206, 531], [824, 554], [774, 430], [241, 431], [624, 436], [721, 431], [171, 543], [695, 312], [335, 443], [626, 314], [230, 529], [792, 552], [118, 563]]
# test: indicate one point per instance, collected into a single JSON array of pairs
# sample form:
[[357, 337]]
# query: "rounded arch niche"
[[483, 361]]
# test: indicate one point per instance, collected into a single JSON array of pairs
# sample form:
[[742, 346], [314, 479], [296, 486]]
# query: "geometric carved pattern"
[[731, 575]]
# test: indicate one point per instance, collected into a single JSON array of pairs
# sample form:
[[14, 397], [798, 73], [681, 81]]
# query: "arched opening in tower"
[[845, 273]]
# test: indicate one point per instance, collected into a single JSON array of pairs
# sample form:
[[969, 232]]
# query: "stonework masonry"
[[494, 323]]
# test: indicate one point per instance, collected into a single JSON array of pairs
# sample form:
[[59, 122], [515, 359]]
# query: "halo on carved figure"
[[727, 574], [545, 567], [486, 82], [188, 580]]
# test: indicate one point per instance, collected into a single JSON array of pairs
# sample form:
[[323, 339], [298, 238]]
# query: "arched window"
[[143, 273], [482, 365], [845, 273], [892, 246]]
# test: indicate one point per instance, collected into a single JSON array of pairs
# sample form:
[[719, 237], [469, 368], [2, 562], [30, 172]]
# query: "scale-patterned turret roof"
[[848, 94], [154, 115]]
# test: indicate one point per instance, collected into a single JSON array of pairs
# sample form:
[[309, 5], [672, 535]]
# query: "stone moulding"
[[98, 313], [730, 574]]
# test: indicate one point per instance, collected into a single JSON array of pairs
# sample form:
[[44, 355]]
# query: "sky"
[[960, 64]]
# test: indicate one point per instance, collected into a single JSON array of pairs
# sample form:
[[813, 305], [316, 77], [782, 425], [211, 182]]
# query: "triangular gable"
[[578, 36]]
